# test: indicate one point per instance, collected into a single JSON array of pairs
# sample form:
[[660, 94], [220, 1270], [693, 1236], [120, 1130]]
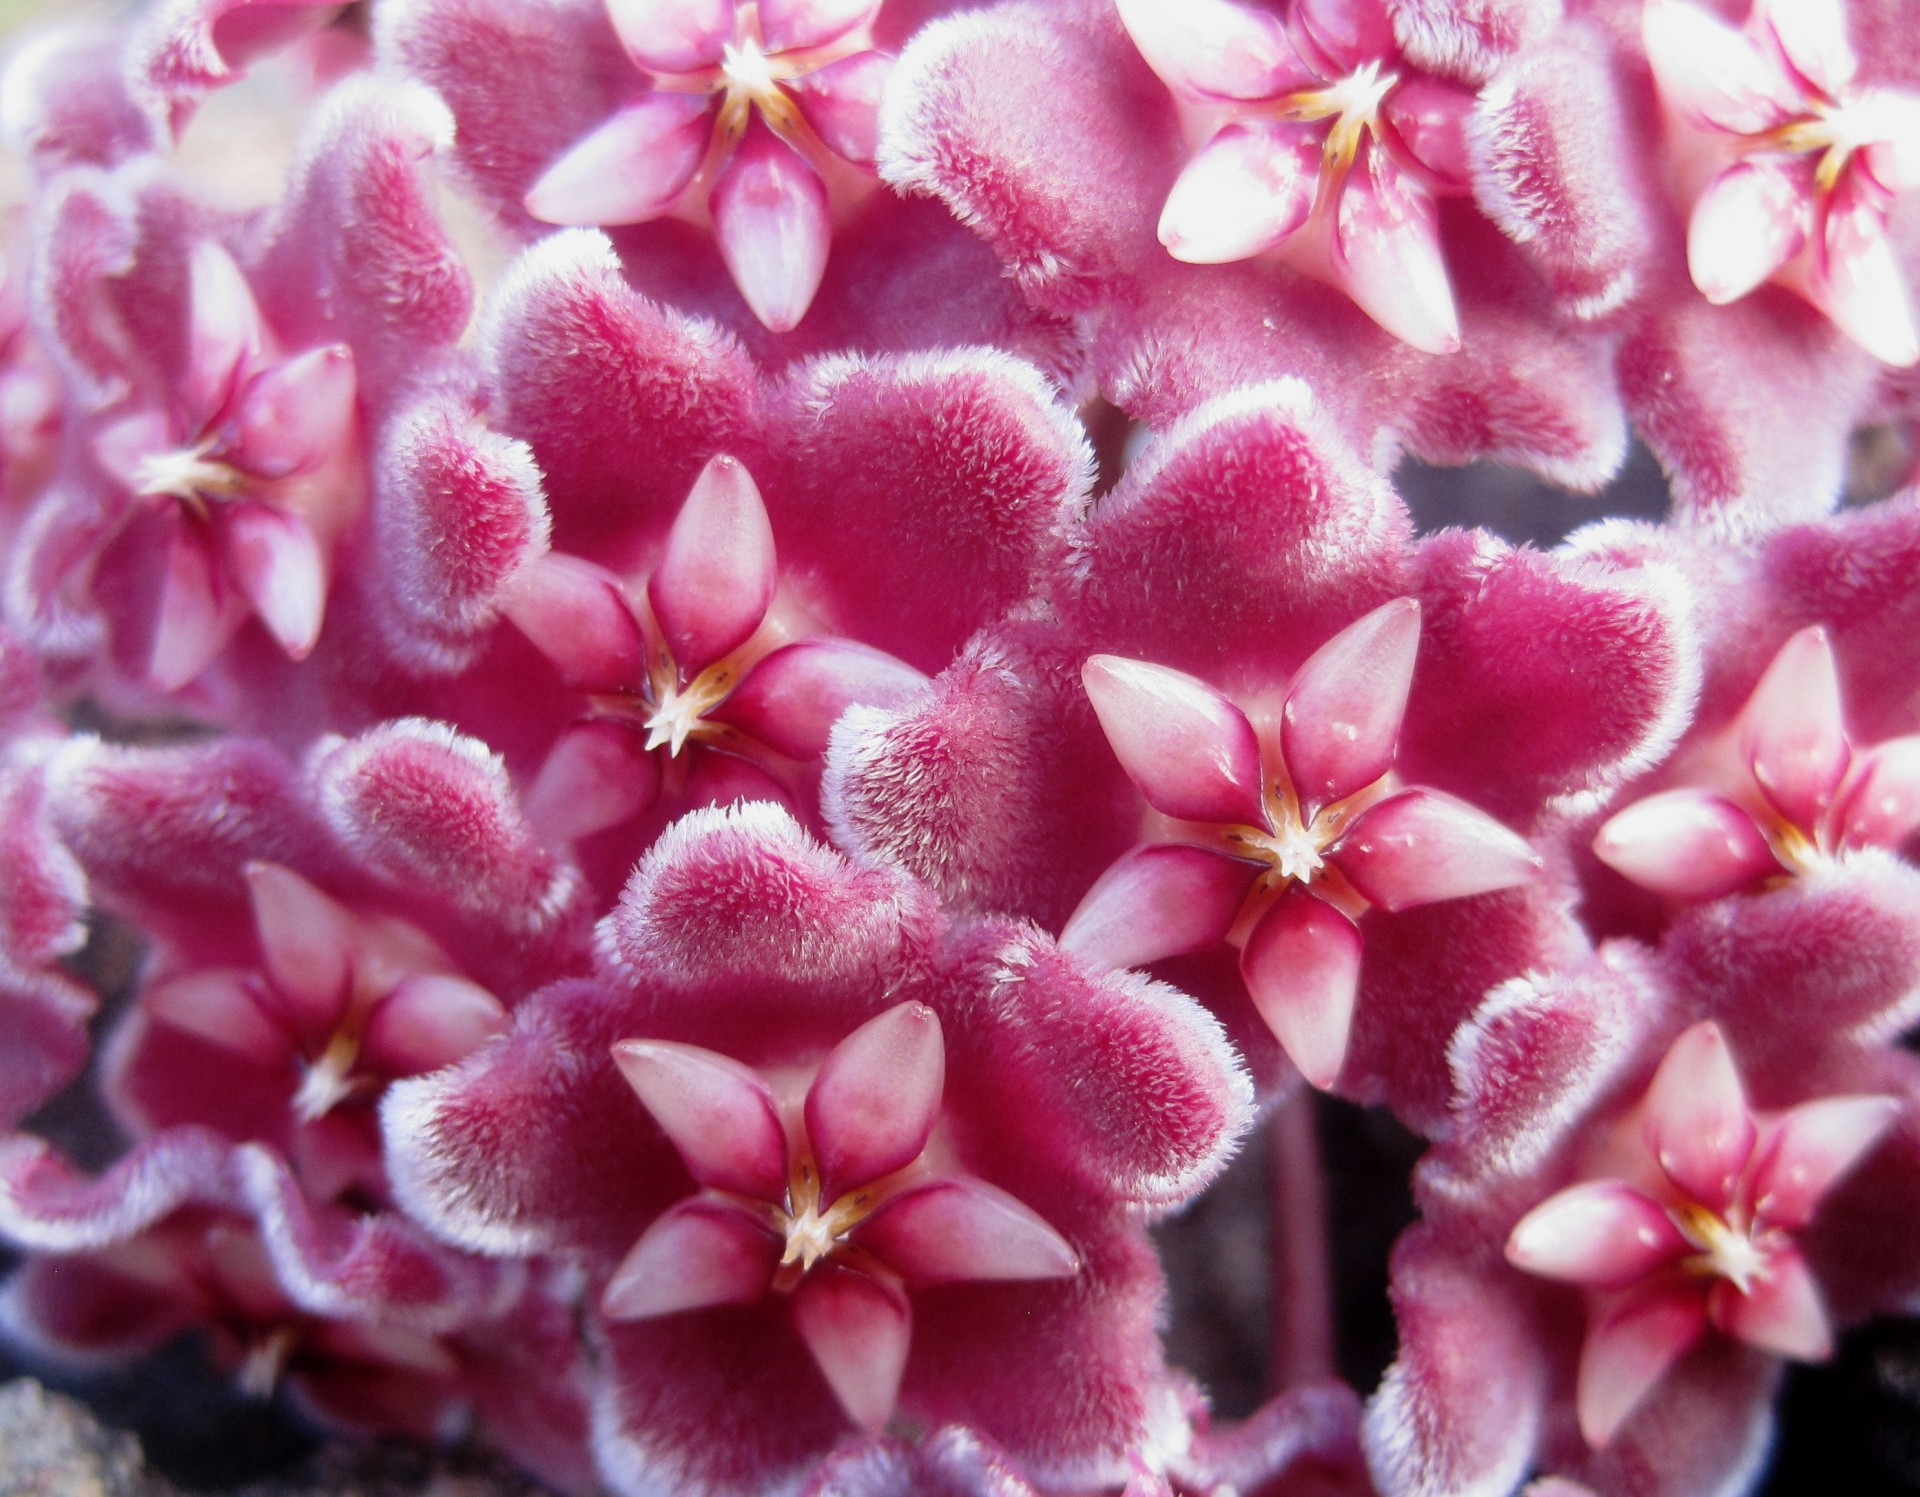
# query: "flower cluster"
[[753, 676]]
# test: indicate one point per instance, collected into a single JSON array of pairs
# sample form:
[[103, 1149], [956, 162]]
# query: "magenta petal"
[[308, 941], [964, 1229], [596, 775], [1243, 192], [1749, 222], [1627, 1351], [1881, 807], [858, 1331], [431, 1020], [792, 698], [1158, 902], [1604, 1234], [1386, 242], [713, 586], [1710, 72], [1342, 718], [699, 1253], [1302, 968], [1859, 282], [198, 613], [874, 1103], [717, 1112], [1807, 1151], [223, 332], [842, 103], [218, 1005], [1213, 48], [1779, 1312], [276, 561], [628, 170], [1191, 751], [789, 24], [578, 616], [771, 216], [1697, 1123], [293, 415], [673, 36], [1430, 118], [1792, 732], [1421, 846], [1686, 844]]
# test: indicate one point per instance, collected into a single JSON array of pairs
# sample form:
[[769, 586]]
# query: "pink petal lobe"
[[771, 217], [713, 586], [842, 103], [1859, 283], [198, 613], [1628, 1351], [223, 332], [1347, 32], [293, 415], [1302, 968], [874, 1103], [1243, 192], [276, 561], [673, 36], [1213, 48], [696, 1254], [1190, 750], [717, 1112], [431, 1020], [1881, 808], [1711, 73], [1603, 1234], [1421, 846], [628, 170], [1158, 902], [1430, 118], [1687, 844], [1749, 222], [219, 1005], [1697, 1123], [791, 699], [1342, 718], [1813, 36], [788, 24], [1809, 1148], [858, 1330], [1792, 732], [577, 615], [965, 1229], [596, 775], [1780, 1312], [1386, 241], [309, 943]]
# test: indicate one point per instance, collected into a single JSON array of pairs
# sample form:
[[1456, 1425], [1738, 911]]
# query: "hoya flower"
[[1319, 140], [1690, 1222], [758, 112], [1778, 791], [1804, 160], [1278, 835]]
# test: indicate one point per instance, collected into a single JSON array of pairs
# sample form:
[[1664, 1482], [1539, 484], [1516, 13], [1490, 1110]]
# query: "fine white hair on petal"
[[182, 1165]]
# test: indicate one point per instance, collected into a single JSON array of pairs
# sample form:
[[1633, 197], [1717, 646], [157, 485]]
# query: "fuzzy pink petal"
[[45, 1204], [857, 1329], [789, 24], [1214, 48], [1386, 239], [673, 36], [1697, 1123], [872, 1107], [1881, 807], [792, 698], [1603, 1234], [1158, 902], [1244, 191], [1421, 846], [597, 775], [965, 1230], [1628, 1351], [630, 169], [1780, 1312], [1749, 222], [1792, 731], [1191, 751], [224, 332], [429, 1021], [1711, 73], [1302, 966], [713, 586], [1809, 1149], [1341, 723], [1859, 283], [1687, 844], [774, 226], [293, 415], [578, 616], [198, 612], [717, 1112], [842, 103], [1813, 37], [701, 1252], [276, 562]]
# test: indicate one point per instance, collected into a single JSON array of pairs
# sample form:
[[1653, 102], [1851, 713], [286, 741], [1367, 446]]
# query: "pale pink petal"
[[788, 24], [874, 1103], [1430, 118], [717, 1112], [123, 446], [276, 561], [1603, 1234], [699, 1253], [1302, 968], [792, 698], [1893, 158], [1347, 33], [1780, 1312], [714, 583], [842, 103], [1859, 283], [1386, 250], [858, 1330], [629, 169], [1190, 750], [673, 36], [1813, 38], [1792, 732], [771, 217], [1713, 74], [1158, 902], [293, 415], [429, 1021], [1749, 222], [1342, 718], [965, 1229], [578, 616], [596, 775], [1687, 844], [1627, 1351], [1214, 48], [1697, 1124], [219, 1005], [1243, 192], [1808, 1149], [223, 332], [198, 612], [1422, 845], [309, 942], [1881, 807]]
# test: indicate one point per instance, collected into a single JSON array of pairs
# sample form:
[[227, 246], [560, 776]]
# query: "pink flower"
[[1689, 1220], [1800, 162]]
